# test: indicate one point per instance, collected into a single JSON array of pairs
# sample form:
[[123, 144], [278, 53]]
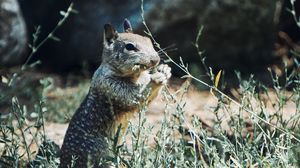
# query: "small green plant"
[[23, 140], [62, 103]]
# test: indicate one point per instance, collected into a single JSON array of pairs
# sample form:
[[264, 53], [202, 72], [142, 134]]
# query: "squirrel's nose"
[[155, 60]]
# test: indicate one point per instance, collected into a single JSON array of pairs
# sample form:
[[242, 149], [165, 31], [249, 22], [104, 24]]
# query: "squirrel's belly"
[[122, 121]]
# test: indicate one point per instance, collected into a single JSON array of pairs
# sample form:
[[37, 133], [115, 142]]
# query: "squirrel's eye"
[[130, 47]]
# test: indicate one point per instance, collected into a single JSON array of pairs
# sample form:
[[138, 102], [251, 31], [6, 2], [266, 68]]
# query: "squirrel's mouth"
[[138, 67]]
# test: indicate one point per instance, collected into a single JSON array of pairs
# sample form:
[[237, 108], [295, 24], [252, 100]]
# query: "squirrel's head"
[[128, 53]]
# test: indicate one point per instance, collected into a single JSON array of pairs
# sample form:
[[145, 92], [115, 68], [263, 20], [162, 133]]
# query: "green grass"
[[62, 103], [271, 141], [263, 139]]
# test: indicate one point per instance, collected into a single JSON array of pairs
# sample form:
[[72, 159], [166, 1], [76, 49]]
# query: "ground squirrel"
[[119, 86]]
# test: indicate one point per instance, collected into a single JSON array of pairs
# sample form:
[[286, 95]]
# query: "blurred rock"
[[237, 34], [12, 33], [80, 43]]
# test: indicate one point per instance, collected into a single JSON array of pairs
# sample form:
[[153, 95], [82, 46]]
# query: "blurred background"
[[247, 36], [239, 37]]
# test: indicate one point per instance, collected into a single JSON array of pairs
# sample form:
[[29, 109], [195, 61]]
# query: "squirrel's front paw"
[[162, 74]]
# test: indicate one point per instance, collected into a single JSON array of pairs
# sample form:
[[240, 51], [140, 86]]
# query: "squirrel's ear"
[[110, 34], [127, 26]]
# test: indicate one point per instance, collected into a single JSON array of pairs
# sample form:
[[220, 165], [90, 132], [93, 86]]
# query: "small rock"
[[12, 33]]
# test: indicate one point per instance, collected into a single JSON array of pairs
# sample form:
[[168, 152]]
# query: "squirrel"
[[129, 75]]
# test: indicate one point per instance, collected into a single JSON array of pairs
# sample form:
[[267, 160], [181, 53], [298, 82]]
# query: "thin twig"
[[293, 12], [34, 47]]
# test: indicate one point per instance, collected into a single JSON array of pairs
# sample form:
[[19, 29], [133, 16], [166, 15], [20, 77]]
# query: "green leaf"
[[217, 79]]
